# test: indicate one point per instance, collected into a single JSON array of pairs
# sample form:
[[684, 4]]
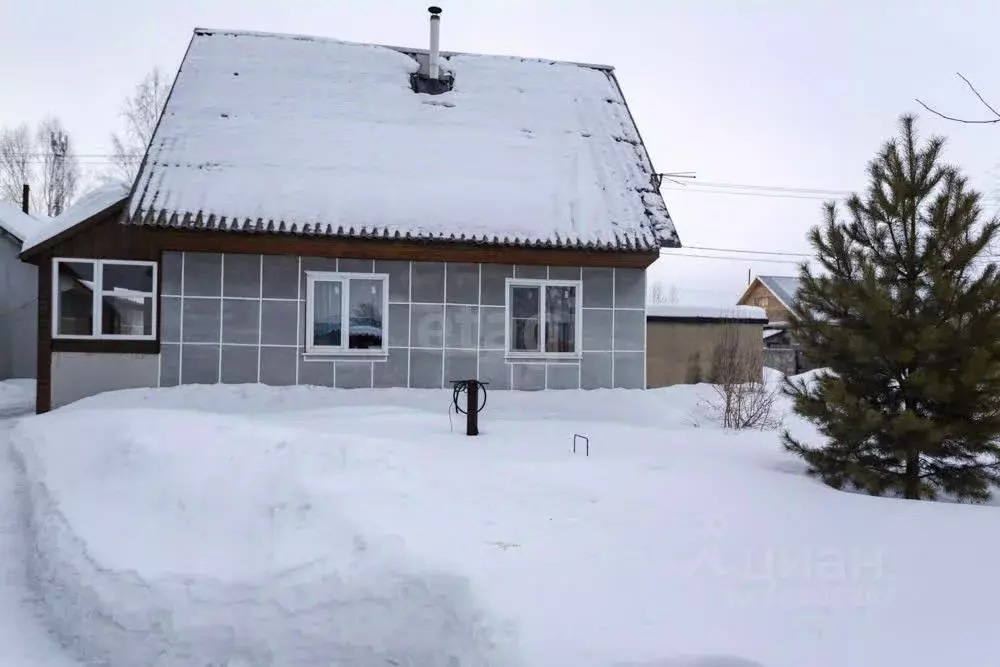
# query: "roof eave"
[[35, 253]]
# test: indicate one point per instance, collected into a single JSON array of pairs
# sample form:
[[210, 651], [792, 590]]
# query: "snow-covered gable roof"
[[303, 135], [94, 202], [18, 224], [783, 287]]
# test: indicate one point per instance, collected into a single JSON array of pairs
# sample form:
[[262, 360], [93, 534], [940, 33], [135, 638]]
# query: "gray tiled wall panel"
[[241, 276], [394, 371], [353, 374], [202, 274], [199, 364], [240, 318], [239, 364], [281, 277], [462, 283]]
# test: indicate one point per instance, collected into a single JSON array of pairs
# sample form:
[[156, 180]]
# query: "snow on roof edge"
[[402, 49], [94, 202], [671, 311], [18, 224]]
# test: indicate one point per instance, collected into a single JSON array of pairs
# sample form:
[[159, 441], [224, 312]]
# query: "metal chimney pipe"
[[25, 196], [434, 58]]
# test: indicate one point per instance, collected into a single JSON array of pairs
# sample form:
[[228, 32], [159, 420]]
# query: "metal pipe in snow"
[[433, 63]]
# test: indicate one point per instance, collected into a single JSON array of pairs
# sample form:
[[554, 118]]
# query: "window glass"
[[128, 278], [524, 314], [327, 306], [126, 315], [75, 298], [365, 304], [560, 318]]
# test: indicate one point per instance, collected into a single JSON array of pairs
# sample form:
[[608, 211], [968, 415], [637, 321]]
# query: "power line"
[[733, 259], [773, 195], [750, 252], [982, 258], [780, 188]]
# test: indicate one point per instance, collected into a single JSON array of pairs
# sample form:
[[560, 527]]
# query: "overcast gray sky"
[[788, 94]]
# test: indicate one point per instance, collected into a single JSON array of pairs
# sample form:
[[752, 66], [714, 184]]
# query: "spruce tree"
[[906, 315]]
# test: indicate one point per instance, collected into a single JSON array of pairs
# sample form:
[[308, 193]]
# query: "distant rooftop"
[[18, 224], [783, 287], [306, 135], [86, 207]]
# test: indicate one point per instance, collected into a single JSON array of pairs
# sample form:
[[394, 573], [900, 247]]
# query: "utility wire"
[[750, 252], [781, 188], [733, 259], [772, 195]]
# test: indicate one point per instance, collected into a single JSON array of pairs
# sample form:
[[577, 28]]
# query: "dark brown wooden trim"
[[43, 366], [104, 237], [320, 246], [33, 255], [106, 346]]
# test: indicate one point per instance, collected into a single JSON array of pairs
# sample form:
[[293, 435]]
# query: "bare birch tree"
[[60, 170], [140, 111], [16, 162]]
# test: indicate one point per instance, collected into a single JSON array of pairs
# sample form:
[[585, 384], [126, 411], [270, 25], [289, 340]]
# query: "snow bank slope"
[[667, 545], [171, 538], [16, 397]]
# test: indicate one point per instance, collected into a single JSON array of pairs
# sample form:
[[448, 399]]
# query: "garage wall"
[[680, 352]]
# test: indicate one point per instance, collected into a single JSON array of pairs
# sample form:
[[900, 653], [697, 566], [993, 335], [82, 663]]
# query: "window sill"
[[341, 355], [106, 345], [543, 356]]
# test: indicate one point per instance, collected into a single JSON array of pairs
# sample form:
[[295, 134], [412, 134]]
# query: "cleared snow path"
[[23, 639]]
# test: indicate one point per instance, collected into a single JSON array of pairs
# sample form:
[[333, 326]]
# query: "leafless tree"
[[140, 111], [741, 398], [994, 115], [60, 172], [16, 162], [660, 295]]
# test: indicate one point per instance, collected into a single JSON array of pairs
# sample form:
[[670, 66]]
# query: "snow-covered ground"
[[16, 397], [304, 526]]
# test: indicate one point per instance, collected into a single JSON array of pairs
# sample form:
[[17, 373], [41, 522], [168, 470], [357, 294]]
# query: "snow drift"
[[243, 559], [250, 525], [16, 397]]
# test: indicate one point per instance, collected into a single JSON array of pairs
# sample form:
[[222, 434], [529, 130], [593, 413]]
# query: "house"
[[18, 295], [683, 342], [777, 296], [312, 211]]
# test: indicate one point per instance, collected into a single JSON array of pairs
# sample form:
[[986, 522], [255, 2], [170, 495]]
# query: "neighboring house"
[[682, 342], [305, 216], [775, 294], [18, 295]]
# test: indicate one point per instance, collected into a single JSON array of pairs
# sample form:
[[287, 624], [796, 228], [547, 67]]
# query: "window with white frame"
[[543, 317], [346, 313], [104, 299]]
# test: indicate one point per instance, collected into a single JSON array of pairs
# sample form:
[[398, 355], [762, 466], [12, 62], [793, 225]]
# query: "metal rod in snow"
[[434, 57]]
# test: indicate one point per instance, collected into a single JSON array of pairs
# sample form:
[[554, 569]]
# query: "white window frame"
[[97, 305], [313, 277], [542, 283]]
